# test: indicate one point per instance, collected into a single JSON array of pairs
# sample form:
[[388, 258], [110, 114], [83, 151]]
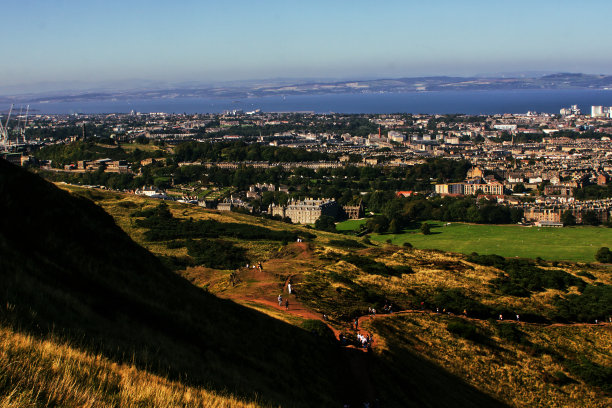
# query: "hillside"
[[93, 311], [555, 354], [74, 280]]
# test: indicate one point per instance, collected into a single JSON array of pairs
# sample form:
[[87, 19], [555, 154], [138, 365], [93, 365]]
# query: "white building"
[[395, 136], [597, 111], [506, 127]]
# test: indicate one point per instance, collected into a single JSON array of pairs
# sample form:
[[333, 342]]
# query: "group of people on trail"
[[364, 341], [254, 266], [280, 302]]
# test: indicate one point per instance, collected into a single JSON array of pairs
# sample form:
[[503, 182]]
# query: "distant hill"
[[304, 87], [70, 274]]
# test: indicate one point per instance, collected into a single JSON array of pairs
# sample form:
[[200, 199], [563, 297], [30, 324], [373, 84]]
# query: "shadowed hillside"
[[89, 317], [70, 274]]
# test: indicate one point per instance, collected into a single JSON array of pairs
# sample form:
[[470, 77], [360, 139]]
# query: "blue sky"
[[208, 41]]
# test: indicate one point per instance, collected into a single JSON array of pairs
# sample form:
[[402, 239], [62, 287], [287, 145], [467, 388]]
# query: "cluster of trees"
[[343, 184], [241, 151], [64, 132], [524, 277], [588, 218], [398, 212], [593, 192]]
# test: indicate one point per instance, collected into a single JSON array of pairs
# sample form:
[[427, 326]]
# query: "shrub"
[[595, 302], [368, 265], [510, 332], [456, 301], [604, 255], [523, 276], [591, 373], [325, 223], [466, 330], [586, 275], [216, 254]]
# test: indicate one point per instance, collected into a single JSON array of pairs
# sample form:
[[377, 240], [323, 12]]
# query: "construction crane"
[[4, 134], [22, 122]]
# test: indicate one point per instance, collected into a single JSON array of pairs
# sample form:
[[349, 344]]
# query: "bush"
[[586, 275], [425, 228], [604, 255], [466, 330], [595, 302], [407, 245], [216, 254], [325, 223], [524, 276], [369, 265], [591, 373], [510, 332], [162, 226], [456, 301]]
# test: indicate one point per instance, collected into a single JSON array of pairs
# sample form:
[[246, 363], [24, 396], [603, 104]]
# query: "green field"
[[569, 243], [350, 225]]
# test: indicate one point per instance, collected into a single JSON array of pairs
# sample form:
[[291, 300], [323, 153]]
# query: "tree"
[[425, 228], [395, 226], [590, 218], [326, 223], [604, 255], [519, 188], [567, 218], [377, 224]]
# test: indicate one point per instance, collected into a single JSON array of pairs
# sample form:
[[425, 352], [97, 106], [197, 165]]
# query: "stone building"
[[306, 211], [354, 212]]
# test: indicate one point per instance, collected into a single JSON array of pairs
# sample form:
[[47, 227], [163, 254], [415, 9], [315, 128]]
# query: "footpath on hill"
[[265, 288], [264, 282]]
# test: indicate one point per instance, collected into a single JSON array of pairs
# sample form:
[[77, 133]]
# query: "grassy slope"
[[577, 244], [68, 270], [526, 375], [404, 373], [49, 372]]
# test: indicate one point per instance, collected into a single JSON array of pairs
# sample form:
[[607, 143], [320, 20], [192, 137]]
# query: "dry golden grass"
[[512, 373], [37, 373]]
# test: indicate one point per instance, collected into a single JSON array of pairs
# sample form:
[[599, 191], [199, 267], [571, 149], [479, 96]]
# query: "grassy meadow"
[[577, 244]]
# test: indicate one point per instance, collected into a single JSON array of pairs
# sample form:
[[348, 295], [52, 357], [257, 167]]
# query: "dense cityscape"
[[554, 168]]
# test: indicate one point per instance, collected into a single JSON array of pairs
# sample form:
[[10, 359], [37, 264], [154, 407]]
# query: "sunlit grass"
[[522, 375], [48, 373], [573, 244]]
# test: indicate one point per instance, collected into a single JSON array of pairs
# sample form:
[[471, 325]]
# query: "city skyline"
[[155, 42]]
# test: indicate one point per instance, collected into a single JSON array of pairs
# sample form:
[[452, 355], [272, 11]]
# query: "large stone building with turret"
[[306, 211]]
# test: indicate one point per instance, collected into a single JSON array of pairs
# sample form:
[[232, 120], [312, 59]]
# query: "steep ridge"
[[68, 272]]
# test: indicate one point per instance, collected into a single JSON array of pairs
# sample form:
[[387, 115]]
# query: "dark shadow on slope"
[[405, 379], [66, 268]]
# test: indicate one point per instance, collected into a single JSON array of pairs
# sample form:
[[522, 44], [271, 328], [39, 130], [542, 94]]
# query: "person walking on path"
[[287, 304], [356, 323], [280, 300]]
